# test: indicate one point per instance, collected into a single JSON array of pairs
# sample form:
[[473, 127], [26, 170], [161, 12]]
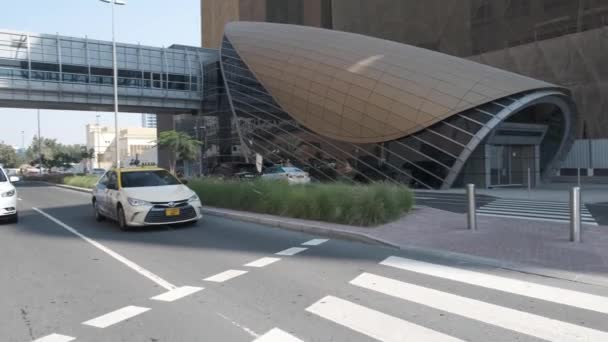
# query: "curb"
[[366, 238], [302, 228], [70, 187]]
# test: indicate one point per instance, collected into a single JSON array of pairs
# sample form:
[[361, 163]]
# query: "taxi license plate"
[[172, 212]]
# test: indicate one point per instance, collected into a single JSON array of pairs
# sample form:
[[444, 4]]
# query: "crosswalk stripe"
[[523, 288], [534, 209], [277, 335], [527, 214], [511, 319], [532, 202], [556, 220], [115, 316], [373, 323], [532, 212], [55, 338]]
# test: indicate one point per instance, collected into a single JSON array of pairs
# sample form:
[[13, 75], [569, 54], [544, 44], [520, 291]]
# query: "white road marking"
[[518, 321], [534, 218], [177, 293], [19, 198], [519, 287], [158, 280], [227, 275], [373, 323], [292, 251], [262, 262], [244, 328], [116, 316], [55, 338], [277, 335], [315, 242]]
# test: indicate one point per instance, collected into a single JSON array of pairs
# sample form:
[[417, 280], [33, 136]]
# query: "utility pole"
[[115, 68], [39, 145], [96, 142]]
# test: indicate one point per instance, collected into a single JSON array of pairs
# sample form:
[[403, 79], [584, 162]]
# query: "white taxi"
[[137, 197], [8, 198]]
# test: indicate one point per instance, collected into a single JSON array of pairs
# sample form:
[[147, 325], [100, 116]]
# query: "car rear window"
[[139, 179], [292, 169]]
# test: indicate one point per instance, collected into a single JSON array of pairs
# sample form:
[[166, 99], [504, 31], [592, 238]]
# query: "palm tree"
[[180, 145]]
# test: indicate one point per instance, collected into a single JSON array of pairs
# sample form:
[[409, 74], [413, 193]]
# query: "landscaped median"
[[359, 205], [81, 181]]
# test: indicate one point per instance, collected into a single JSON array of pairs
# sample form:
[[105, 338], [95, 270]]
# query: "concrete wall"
[[576, 61]]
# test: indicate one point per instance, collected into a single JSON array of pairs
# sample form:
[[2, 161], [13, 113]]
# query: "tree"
[[181, 146], [8, 157], [55, 154]]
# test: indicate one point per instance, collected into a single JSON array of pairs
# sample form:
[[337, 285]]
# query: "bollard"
[[472, 208], [575, 214], [529, 182]]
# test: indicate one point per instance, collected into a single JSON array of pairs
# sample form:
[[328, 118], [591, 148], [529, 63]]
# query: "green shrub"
[[81, 181], [362, 205]]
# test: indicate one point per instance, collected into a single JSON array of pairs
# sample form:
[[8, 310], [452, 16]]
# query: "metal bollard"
[[471, 207], [575, 214]]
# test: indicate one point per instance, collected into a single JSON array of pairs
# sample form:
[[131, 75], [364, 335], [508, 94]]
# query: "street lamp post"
[[115, 69]]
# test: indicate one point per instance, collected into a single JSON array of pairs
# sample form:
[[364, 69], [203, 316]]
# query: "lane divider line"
[[262, 262], [158, 280], [277, 335], [224, 276], [553, 294], [177, 293], [315, 242], [117, 316], [292, 251], [55, 338]]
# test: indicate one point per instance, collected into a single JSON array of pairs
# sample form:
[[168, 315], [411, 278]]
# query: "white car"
[[8, 198], [292, 175], [136, 197]]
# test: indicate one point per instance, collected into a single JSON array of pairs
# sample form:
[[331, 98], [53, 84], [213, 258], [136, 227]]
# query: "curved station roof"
[[433, 109]]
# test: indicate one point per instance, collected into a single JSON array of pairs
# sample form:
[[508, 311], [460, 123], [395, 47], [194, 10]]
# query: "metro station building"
[[435, 94]]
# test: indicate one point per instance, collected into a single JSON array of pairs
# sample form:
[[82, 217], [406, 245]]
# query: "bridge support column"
[[164, 122]]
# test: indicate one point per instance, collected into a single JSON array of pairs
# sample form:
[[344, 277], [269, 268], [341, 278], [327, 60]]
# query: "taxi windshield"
[[138, 179]]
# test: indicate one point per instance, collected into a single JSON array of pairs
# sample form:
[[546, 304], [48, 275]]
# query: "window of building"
[[518, 8]]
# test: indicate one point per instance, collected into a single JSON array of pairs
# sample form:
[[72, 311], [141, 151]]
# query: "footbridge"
[[58, 72]]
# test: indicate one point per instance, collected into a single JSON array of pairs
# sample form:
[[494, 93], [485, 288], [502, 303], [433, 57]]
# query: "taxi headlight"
[[137, 202], [194, 198]]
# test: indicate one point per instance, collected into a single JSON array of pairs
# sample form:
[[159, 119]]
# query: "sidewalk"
[[527, 246], [554, 192]]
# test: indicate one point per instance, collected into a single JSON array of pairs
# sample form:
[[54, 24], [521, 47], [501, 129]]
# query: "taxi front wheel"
[[122, 221]]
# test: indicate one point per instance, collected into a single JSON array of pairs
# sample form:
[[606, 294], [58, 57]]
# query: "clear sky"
[[149, 22]]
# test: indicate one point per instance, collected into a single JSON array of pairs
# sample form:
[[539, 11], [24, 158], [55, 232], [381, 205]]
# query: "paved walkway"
[[540, 247], [555, 192]]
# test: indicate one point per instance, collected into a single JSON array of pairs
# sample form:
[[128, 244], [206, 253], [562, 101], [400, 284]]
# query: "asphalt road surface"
[[66, 277]]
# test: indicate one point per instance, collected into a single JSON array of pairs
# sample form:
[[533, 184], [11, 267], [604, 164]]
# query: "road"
[[66, 277]]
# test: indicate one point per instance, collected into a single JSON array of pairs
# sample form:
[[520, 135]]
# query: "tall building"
[[216, 13], [557, 41], [148, 120]]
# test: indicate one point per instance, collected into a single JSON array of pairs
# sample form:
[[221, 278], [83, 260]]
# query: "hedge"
[[360, 205]]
